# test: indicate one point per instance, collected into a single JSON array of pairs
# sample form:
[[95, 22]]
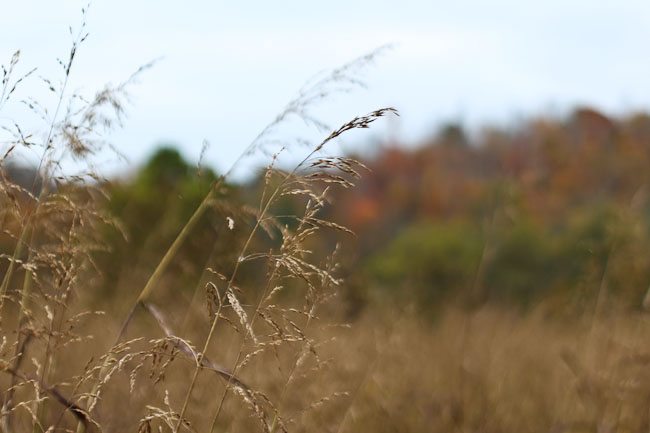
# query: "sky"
[[226, 69]]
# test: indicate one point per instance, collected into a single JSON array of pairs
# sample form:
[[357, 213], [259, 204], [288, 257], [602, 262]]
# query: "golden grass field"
[[491, 370], [257, 333]]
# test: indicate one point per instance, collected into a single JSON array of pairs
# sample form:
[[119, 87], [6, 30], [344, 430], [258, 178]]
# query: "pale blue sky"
[[229, 67]]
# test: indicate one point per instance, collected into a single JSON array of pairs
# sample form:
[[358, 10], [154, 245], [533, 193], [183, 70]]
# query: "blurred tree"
[[427, 262], [452, 135], [571, 195], [152, 207]]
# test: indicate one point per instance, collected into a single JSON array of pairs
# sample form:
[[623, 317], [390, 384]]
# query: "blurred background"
[[498, 275]]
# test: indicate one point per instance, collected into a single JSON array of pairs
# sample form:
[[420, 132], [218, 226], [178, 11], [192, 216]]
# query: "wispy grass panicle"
[[53, 229]]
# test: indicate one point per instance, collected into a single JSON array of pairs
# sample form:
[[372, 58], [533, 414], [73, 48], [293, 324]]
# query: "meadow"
[[488, 284]]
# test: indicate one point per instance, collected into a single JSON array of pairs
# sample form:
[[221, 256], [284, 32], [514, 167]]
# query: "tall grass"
[[236, 353], [65, 371]]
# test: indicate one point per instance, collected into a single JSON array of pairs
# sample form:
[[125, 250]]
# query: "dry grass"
[[494, 371], [64, 371], [236, 357]]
